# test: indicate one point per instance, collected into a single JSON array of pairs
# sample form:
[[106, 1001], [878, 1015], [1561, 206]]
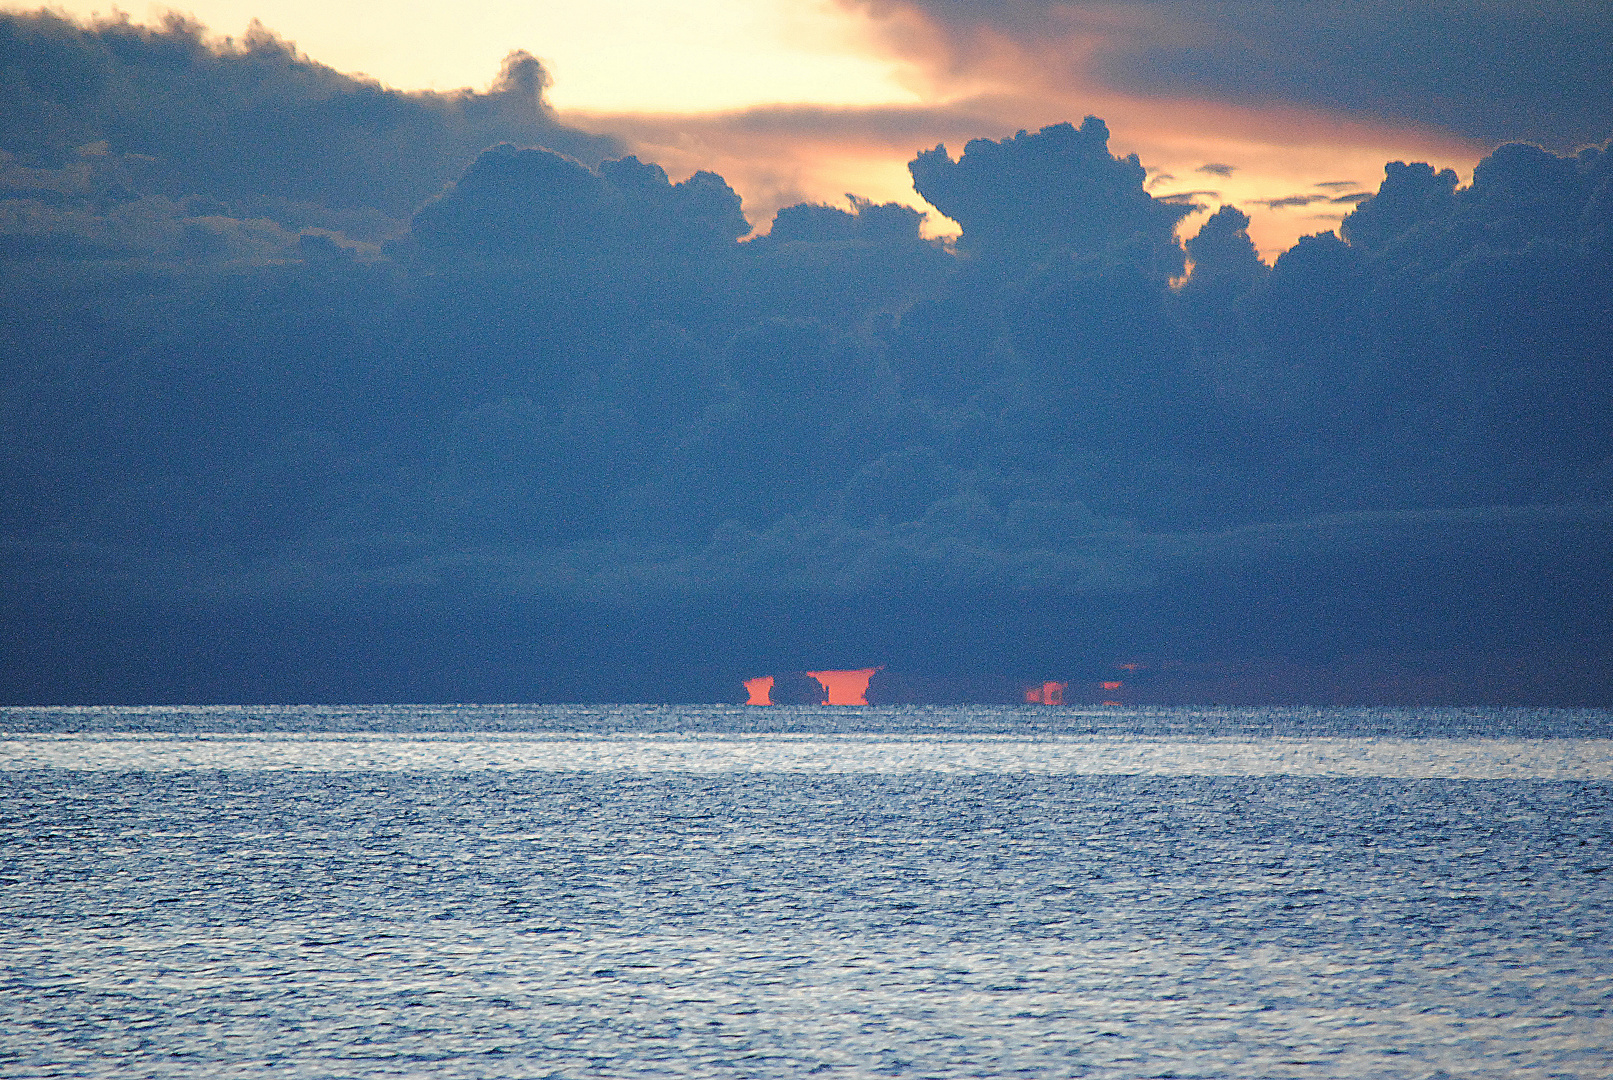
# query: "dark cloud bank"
[[307, 396], [1488, 69]]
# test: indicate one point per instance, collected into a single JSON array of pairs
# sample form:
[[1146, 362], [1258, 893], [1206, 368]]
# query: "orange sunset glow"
[[775, 155], [1049, 693], [760, 690], [792, 102], [1282, 163], [845, 687], [641, 351]]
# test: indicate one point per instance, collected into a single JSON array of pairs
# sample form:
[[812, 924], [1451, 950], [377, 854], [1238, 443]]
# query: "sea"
[[744, 892]]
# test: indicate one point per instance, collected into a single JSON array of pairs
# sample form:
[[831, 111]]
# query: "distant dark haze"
[[315, 391]]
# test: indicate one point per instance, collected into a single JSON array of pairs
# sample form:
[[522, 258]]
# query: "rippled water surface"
[[503, 892]]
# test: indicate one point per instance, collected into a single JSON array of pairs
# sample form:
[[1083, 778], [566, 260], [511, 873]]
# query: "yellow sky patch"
[[625, 55], [698, 85]]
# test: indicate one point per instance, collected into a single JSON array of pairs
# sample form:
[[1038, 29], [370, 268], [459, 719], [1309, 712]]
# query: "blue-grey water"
[[729, 892]]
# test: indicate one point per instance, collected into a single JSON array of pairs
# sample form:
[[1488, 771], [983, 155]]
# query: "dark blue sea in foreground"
[[728, 892]]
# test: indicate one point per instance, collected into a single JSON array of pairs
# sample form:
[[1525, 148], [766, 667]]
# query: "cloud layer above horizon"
[[1483, 69], [796, 100], [318, 389]]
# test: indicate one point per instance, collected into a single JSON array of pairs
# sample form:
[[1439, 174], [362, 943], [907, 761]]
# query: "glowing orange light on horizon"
[[1111, 685], [760, 690], [1049, 693], [845, 687]]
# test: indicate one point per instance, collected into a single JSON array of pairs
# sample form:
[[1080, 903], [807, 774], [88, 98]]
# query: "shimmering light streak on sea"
[[1471, 759], [854, 893]]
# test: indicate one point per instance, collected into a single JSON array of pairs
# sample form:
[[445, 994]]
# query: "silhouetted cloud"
[[866, 221], [1057, 189], [1226, 266], [538, 205], [556, 428], [776, 156], [1292, 200], [1490, 71], [258, 130]]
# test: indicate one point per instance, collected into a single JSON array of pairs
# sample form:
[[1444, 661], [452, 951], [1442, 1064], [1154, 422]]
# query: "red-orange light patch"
[[1049, 693], [760, 690], [845, 687]]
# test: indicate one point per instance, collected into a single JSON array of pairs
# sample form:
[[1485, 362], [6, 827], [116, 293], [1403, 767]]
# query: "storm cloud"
[[548, 425]]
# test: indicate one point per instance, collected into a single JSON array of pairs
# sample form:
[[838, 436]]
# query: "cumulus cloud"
[[252, 124], [1056, 189], [539, 204], [1225, 262], [815, 222], [569, 421], [777, 155]]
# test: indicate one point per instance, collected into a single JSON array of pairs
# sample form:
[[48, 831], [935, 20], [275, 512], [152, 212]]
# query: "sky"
[[1264, 360], [811, 99], [627, 55]]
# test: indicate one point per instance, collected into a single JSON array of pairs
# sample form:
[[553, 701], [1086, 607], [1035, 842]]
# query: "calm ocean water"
[[480, 891]]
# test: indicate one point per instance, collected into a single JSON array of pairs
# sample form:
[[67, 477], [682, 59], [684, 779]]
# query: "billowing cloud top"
[[252, 124], [1057, 189], [315, 426], [539, 204]]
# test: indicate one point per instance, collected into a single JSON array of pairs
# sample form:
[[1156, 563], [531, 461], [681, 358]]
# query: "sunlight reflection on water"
[[631, 899], [1475, 759]]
